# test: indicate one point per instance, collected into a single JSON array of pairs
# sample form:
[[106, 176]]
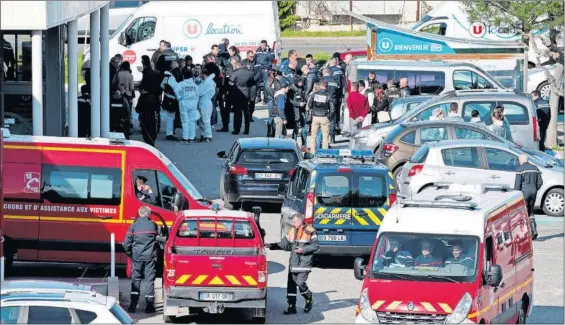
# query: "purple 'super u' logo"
[[192, 28]]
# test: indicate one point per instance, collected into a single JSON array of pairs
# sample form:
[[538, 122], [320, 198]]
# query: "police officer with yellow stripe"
[[302, 242]]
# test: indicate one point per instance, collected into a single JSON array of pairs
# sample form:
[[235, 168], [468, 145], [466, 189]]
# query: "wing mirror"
[[221, 154], [494, 275], [359, 268], [123, 39], [179, 202]]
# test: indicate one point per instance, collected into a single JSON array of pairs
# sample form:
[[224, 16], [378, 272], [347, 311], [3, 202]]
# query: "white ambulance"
[[192, 27]]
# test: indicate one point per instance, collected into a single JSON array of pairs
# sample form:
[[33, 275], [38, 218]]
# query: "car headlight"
[[461, 311], [366, 309]]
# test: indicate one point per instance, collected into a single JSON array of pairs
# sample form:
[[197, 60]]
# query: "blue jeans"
[[303, 131]]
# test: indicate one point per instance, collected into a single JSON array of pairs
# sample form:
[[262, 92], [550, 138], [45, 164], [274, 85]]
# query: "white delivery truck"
[[192, 27], [450, 19]]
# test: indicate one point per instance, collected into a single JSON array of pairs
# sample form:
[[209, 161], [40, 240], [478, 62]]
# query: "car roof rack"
[[480, 91], [344, 156], [90, 293], [439, 204]]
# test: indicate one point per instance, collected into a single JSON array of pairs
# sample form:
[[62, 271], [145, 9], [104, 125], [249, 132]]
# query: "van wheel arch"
[[542, 206], [425, 187], [396, 170]]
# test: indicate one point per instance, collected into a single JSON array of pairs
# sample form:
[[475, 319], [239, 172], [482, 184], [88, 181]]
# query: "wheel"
[[397, 174], [553, 203], [544, 89]]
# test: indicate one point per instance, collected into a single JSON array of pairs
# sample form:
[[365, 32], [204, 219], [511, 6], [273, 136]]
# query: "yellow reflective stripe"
[[249, 280], [393, 305], [199, 279], [233, 280], [390, 175], [182, 279], [336, 210], [382, 211], [216, 281], [445, 307], [387, 201], [362, 221], [428, 306], [340, 221], [373, 216], [320, 210], [391, 187], [378, 304], [325, 221]]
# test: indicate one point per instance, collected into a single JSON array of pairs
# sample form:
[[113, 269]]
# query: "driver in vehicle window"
[[459, 256], [389, 257], [427, 259], [143, 191]]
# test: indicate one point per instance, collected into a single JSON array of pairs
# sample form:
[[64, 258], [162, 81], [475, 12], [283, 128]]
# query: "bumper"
[[255, 192], [179, 297], [344, 250]]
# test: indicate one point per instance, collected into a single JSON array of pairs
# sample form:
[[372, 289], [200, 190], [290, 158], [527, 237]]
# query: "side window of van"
[[159, 189], [517, 114], [299, 183], [465, 79], [81, 185], [488, 256], [141, 29], [167, 190], [484, 109], [438, 29], [423, 82]]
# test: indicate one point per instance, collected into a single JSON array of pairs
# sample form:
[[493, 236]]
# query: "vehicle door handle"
[[494, 177], [151, 49], [449, 173], [104, 217]]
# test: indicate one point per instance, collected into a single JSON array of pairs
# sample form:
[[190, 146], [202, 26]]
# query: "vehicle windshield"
[[121, 314], [267, 156], [535, 159], [188, 187], [122, 25], [360, 189], [425, 257], [424, 19]]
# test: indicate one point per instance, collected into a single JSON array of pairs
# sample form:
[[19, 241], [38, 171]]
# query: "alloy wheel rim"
[[554, 203]]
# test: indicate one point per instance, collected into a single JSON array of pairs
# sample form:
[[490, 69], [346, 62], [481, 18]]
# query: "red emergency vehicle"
[[215, 259], [461, 254], [63, 197], [1, 209]]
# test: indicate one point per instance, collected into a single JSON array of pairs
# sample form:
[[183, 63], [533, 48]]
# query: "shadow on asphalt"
[[546, 238], [551, 315], [275, 267]]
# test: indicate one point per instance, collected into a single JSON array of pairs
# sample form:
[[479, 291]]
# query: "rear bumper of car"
[[344, 250], [255, 192], [178, 297]]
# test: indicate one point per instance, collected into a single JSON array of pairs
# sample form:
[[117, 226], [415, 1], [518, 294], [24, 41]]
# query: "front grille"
[[407, 318]]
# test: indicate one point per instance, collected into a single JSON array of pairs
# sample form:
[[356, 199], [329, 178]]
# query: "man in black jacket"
[[148, 109], [544, 116], [240, 82], [264, 56], [322, 113], [161, 49], [250, 64], [140, 246], [84, 112], [529, 181]]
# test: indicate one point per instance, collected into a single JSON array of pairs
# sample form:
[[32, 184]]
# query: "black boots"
[[149, 308], [308, 298], [134, 299], [534, 227], [291, 309]]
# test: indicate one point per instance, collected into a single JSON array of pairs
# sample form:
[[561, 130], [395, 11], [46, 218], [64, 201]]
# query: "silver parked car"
[[478, 162], [519, 110]]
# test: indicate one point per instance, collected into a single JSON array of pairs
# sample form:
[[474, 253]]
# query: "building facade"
[[39, 76]]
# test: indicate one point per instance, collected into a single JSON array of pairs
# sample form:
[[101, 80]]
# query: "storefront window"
[[17, 57]]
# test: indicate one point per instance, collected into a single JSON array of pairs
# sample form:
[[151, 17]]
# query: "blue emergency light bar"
[[345, 153]]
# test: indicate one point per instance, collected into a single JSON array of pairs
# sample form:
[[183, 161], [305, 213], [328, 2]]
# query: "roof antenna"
[[82, 275]]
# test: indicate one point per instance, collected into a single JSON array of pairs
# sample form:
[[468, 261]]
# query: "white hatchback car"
[[478, 162], [55, 302]]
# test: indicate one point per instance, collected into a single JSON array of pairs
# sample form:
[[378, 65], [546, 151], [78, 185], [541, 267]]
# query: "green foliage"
[[521, 15], [322, 57], [341, 33], [286, 14]]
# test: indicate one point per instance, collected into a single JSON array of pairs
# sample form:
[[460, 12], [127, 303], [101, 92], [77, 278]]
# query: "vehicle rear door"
[[501, 166], [521, 124], [332, 207], [461, 164], [266, 168], [215, 253], [369, 204]]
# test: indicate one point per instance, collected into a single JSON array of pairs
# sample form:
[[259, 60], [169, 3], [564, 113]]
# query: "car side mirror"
[[179, 202], [221, 154], [123, 39], [161, 239], [308, 155], [494, 275], [359, 268]]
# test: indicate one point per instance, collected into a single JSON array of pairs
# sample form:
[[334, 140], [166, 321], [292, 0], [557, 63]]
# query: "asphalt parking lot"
[[336, 291]]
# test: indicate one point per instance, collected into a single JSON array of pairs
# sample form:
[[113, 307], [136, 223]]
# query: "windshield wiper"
[[403, 277], [203, 199], [441, 277]]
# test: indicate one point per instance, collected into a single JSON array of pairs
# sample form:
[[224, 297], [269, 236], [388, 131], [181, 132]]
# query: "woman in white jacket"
[[206, 91]]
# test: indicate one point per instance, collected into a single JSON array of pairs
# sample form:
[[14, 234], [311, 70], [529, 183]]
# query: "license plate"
[[268, 176], [333, 238], [216, 296]]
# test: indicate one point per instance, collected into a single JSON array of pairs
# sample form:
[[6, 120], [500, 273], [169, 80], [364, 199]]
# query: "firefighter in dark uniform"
[[529, 181], [84, 112], [252, 65], [119, 113], [544, 116], [240, 82], [302, 242], [140, 246]]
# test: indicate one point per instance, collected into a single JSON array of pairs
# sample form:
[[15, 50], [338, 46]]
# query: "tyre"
[[545, 90], [553, 203]]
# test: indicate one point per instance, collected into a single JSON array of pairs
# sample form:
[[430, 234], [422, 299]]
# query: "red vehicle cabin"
[[63, 197]]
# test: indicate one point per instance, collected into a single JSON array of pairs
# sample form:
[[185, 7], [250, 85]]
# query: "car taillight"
[[389, 149], [170, 270], [262, 272], [391, 199], [309, 208], [238, 170], [415, 170], [536, 126]]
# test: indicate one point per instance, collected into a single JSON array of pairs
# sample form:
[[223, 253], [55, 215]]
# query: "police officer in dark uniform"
[[148, 109], [264, 56], [312, 75], [544, 116], [332, 90], [84, 112], [251, 64], [337, 73], [240, 83], [165, 58], [119, 113], [529, 181], [140, 246], [302, 242]]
